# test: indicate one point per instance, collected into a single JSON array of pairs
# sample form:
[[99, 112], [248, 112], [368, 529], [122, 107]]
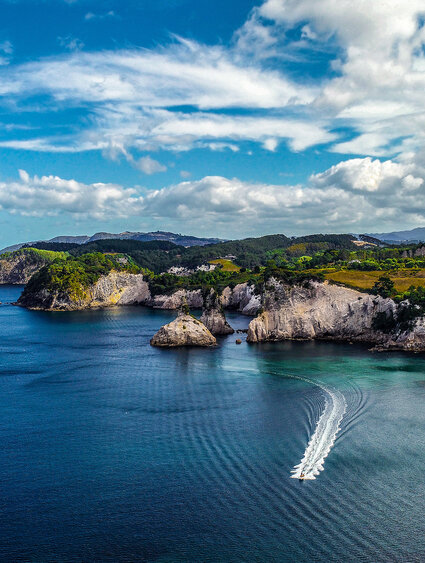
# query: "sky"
[[227, 118]]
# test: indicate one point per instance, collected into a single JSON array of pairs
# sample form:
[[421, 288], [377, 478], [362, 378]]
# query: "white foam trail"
[[324, 436]]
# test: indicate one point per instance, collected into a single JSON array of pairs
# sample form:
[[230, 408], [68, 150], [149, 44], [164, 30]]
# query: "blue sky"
[[225, 119]]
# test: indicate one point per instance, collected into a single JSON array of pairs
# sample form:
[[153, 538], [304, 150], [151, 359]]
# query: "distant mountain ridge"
[[179, 239], [413, 235]]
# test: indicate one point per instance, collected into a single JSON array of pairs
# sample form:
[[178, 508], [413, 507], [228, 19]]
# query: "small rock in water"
[[238, 341]]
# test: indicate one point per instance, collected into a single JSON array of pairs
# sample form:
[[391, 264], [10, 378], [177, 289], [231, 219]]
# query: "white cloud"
[[51, 195], [185, 73], [363, 175], [267, 130], [379, 90], [149, 166], [71, 43], [6, 50], [131, 96], [129, 93], [117, 129], [356, 195], [6, 47], [357, 24], [90, 16], [270, 144]]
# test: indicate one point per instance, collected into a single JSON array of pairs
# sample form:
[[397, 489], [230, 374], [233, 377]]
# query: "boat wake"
[[324, 436]]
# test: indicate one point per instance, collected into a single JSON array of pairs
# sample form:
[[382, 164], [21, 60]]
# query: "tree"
[[384, 287]]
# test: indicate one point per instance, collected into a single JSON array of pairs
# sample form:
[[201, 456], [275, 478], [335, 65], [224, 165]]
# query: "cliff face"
[[215, 321], [242, 297], [117, 288], [194, 300], [213, 316], [323, 311], [184, 331], [121, 288], [17, 268]]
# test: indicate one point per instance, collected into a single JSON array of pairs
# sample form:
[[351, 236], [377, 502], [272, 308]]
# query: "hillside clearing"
[[356, 279]]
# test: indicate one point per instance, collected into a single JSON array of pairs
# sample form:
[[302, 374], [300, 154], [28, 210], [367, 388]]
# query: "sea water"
[[111, 450]]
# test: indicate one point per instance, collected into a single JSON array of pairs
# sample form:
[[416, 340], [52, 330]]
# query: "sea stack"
[[183, 331], [213, 316]]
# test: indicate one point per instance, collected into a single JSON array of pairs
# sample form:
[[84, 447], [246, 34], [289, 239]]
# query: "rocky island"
[[183, 331]]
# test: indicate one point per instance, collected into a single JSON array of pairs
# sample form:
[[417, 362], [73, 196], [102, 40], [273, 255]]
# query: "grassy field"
[[228, 265], [402, 279]]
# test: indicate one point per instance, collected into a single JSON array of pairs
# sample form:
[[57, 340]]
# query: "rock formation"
[[213, 316], [122, 288], [193, 298], [183, 331], [117, 288], [323, 311], [18, 267], [242, 297]]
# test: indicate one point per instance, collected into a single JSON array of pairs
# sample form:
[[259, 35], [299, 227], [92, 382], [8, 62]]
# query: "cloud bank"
[[355, 195]]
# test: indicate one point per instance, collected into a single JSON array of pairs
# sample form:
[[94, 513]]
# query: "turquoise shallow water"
[[114, 451]]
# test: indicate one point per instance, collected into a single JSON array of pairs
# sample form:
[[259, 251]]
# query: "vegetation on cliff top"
[[159, 256], [33, 255], [74, 275]]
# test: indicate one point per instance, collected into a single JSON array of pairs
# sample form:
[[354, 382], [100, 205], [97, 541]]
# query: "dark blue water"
[[115, 451]]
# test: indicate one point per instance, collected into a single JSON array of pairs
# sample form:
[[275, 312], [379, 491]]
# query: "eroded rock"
[[323, 311], [183, 331], [215, 321], [117, 288]]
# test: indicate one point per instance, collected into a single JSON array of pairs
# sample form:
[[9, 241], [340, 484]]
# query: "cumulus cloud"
[[356, 195], [50, 195], [381, 73]]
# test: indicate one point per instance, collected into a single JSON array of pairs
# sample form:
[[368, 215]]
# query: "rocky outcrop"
[[213, 316], [243, 298], [117, 288], [183, 331], [418, 253], [18, 267], [193, 298], [215, 321], [126, 289], [323, 311]]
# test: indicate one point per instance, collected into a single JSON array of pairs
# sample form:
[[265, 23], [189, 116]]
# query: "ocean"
[[112, 450]]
